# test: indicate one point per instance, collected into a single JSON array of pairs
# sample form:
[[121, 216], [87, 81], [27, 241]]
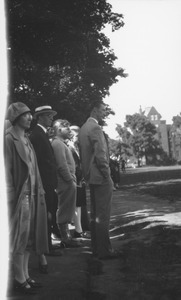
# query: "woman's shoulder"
[[10, 134]]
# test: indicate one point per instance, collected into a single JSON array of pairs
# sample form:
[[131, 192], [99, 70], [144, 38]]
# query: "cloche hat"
[[15, 110], [44, 109]]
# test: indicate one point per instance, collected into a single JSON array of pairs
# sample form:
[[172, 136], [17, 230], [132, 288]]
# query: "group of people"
[[46, 176]]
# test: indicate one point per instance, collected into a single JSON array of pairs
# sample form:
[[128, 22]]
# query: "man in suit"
[[66, 188], [96, 171], [46, 161]]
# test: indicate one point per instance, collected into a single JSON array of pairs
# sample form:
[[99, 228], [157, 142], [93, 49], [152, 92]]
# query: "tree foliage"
[[175, 137], [124, 142], [58, 54], [115, 148], [176, 122], [175, 131], [140, 136]]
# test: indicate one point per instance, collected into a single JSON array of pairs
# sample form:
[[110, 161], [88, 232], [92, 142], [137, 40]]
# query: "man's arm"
[[100, 151], [61, 160]]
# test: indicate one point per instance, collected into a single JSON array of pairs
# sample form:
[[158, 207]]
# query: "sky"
[[148, 47]]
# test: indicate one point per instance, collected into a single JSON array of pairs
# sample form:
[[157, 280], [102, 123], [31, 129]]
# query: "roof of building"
[[151, 111]]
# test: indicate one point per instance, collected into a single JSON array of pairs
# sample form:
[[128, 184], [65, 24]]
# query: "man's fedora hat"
[[15, 110], [44, 109]]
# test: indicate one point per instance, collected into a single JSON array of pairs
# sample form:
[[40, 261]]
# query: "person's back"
[[123, 165]]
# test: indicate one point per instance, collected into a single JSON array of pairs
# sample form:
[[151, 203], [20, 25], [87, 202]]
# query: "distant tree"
[[125, 141], [140, 135], [176, 122], [58, 54], [115, 148], [175, 136]]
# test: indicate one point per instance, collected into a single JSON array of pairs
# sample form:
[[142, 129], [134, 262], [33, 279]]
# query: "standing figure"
[[66, 188], [123, 165], [25, 194], [55, 233], [115, 172], [46, 163], [81, 220], [96, 171]]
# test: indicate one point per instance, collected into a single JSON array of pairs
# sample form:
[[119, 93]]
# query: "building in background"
[[169, 140]]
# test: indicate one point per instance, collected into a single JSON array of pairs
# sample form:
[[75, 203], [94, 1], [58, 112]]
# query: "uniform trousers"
[[101, 196]]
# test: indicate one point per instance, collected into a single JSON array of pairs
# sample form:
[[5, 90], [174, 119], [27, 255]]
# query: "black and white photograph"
[[90, 197]]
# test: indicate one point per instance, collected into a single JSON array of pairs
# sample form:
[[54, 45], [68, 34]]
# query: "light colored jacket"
[[16, 175], [94, 153], [64, 163]]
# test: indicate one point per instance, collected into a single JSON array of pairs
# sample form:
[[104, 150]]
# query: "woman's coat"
[[16, 175]]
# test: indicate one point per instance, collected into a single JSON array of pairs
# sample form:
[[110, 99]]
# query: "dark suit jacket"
[[45, 157], [94, 153]]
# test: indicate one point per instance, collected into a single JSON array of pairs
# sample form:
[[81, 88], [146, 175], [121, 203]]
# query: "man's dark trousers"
[[101, 196]]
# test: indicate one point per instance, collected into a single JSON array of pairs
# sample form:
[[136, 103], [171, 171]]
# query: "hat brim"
[[38, 113]]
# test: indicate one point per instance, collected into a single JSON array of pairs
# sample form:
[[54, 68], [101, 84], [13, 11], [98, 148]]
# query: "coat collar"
[[18, 144], [92, 119], [13, 133], [41, 126]]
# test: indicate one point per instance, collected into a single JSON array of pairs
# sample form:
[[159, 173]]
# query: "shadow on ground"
[[146, 226], [149, 231]]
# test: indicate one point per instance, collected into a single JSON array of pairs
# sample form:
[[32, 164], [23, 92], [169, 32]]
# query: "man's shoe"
[[43, 269], [86, 235], [83, 235], [54, 247], [70, 243], [55, 236], [77, 235]]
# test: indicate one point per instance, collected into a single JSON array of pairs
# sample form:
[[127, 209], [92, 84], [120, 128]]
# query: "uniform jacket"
[[45, 157], [94, 153], [16, 175]]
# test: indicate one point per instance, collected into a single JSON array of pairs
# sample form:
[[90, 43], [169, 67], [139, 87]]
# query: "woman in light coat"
[[26, 204]]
